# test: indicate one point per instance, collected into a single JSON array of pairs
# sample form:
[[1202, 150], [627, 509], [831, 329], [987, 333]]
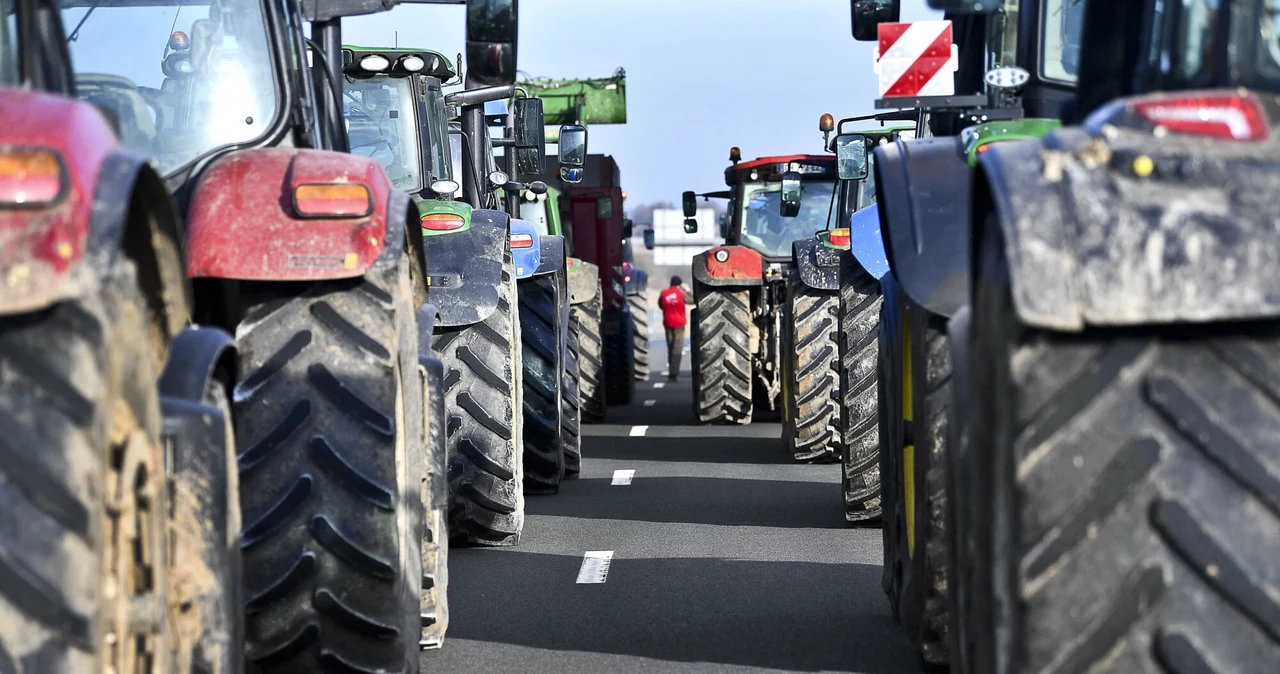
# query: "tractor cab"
[[776, 200]]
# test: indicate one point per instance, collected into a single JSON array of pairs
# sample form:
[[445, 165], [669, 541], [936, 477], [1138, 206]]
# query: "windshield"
[[1062, 24], [178, 81], [1269, 47], [438, 129], [869, 184], [1002, 29], [763, 227], [536, 213], [381, 125]]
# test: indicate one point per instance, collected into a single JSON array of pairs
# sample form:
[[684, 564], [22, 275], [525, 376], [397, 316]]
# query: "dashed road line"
[[650, 402], [659, 384], [638, 431], [622, 477], [595, 566]]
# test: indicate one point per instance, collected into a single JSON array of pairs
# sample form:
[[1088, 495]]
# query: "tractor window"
[[1269, 49], [1062, 23], [536, 212], [381, 125], [438, 123], [1002, 26], [765, 230], [869, 185], [455, 154], [180, 80]]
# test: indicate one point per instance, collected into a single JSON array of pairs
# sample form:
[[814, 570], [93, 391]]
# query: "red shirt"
[[672, 302]]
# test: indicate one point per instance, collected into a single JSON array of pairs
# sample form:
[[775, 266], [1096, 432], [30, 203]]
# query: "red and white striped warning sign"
[[916, 59]]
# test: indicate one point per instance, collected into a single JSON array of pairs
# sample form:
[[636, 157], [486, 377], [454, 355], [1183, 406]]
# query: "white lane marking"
[[638, 431], [650, 403], [659, 384], [622, 477], [595, 566]]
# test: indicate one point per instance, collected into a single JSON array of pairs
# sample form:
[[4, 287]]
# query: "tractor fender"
[[584, 280], [922, 190], [551, 250], [817, 264], [242, 224], [527, 260], [1089, 243], [465, 269], [639, 282], [741, 267], [197, 354]]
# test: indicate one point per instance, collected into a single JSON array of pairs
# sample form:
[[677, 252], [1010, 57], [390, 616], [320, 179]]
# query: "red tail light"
[[988, 145], [522, 241], [442, 222], [30, 177], [332, 200], [839, 237], [1230, 116]]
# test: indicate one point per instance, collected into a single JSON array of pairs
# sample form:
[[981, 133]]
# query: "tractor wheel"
[[641, 335], [435, 542], [591, 359], [328, 410], [722, 387], [83, 540], [811, 381], [859, 409], [1130, 492], [571, 412], [540, 342], [486, 449], [619, 362]]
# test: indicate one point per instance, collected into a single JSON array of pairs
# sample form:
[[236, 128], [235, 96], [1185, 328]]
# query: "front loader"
[[741, 287], [1118, 482], [120, 534], [922, 185]]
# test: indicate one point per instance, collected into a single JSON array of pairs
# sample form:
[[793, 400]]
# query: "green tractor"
[[1117, 480], [1016, 71]]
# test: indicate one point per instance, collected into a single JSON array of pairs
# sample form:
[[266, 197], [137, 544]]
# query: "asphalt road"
[[726, 557]]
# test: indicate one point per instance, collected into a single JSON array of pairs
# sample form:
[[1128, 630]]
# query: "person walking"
[[672, 301]]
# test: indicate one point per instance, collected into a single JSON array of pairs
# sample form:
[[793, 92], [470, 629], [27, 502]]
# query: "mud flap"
[[465, 269], [817, 265]]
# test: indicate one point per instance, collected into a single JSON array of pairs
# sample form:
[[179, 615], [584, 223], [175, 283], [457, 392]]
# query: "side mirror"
[[530, 135], [648, 238], [573, 147], [690, 226], [628, 228], [868, 14], [492, 34], [851, 156], [690, 202], [790, 203], [724, 225]]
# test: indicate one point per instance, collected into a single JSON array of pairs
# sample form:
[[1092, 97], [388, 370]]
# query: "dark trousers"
[[675, 346]]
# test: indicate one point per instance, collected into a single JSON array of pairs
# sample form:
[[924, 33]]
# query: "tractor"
[[1116, 484], [832, 307], [742, 287], [636, 282], [120, 539], [1014, 78]]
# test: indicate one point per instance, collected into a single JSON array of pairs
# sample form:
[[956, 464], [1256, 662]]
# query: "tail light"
[[839, 237], [332, 200], [626, 271], [30, 177], [522, 241], [1228, 116], [988, 145], [442, 222]]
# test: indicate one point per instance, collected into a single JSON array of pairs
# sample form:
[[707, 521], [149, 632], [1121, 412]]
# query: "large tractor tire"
[[591, 359], [483, 394], [83, 491], [1130, 492], [810, 373], [540, 328], [619, 361], [912, 470], [859, 405], [640, 335], [722, 373], [328, 407], [571, 413]]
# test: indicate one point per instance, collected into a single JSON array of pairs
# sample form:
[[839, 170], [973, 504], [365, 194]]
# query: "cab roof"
[[813, 167], [438, 65]]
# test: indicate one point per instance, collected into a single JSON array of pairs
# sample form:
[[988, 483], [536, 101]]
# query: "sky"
[[702, 75]]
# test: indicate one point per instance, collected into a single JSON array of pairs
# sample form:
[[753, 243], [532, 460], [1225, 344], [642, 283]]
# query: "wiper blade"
[[75, 34]]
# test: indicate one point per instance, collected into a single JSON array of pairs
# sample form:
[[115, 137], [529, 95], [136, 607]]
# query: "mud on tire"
[[571, 405], [544, 461], [1130, 510], [483, 397], [640, 335], [811, 381], [81, 430], [859, 405], [326, 399], [591, 358], [722, 385]]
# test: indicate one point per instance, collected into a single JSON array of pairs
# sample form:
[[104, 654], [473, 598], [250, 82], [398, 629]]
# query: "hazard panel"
[[916, 59]]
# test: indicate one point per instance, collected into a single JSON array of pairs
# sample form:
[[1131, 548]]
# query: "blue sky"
[[702, 75]]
